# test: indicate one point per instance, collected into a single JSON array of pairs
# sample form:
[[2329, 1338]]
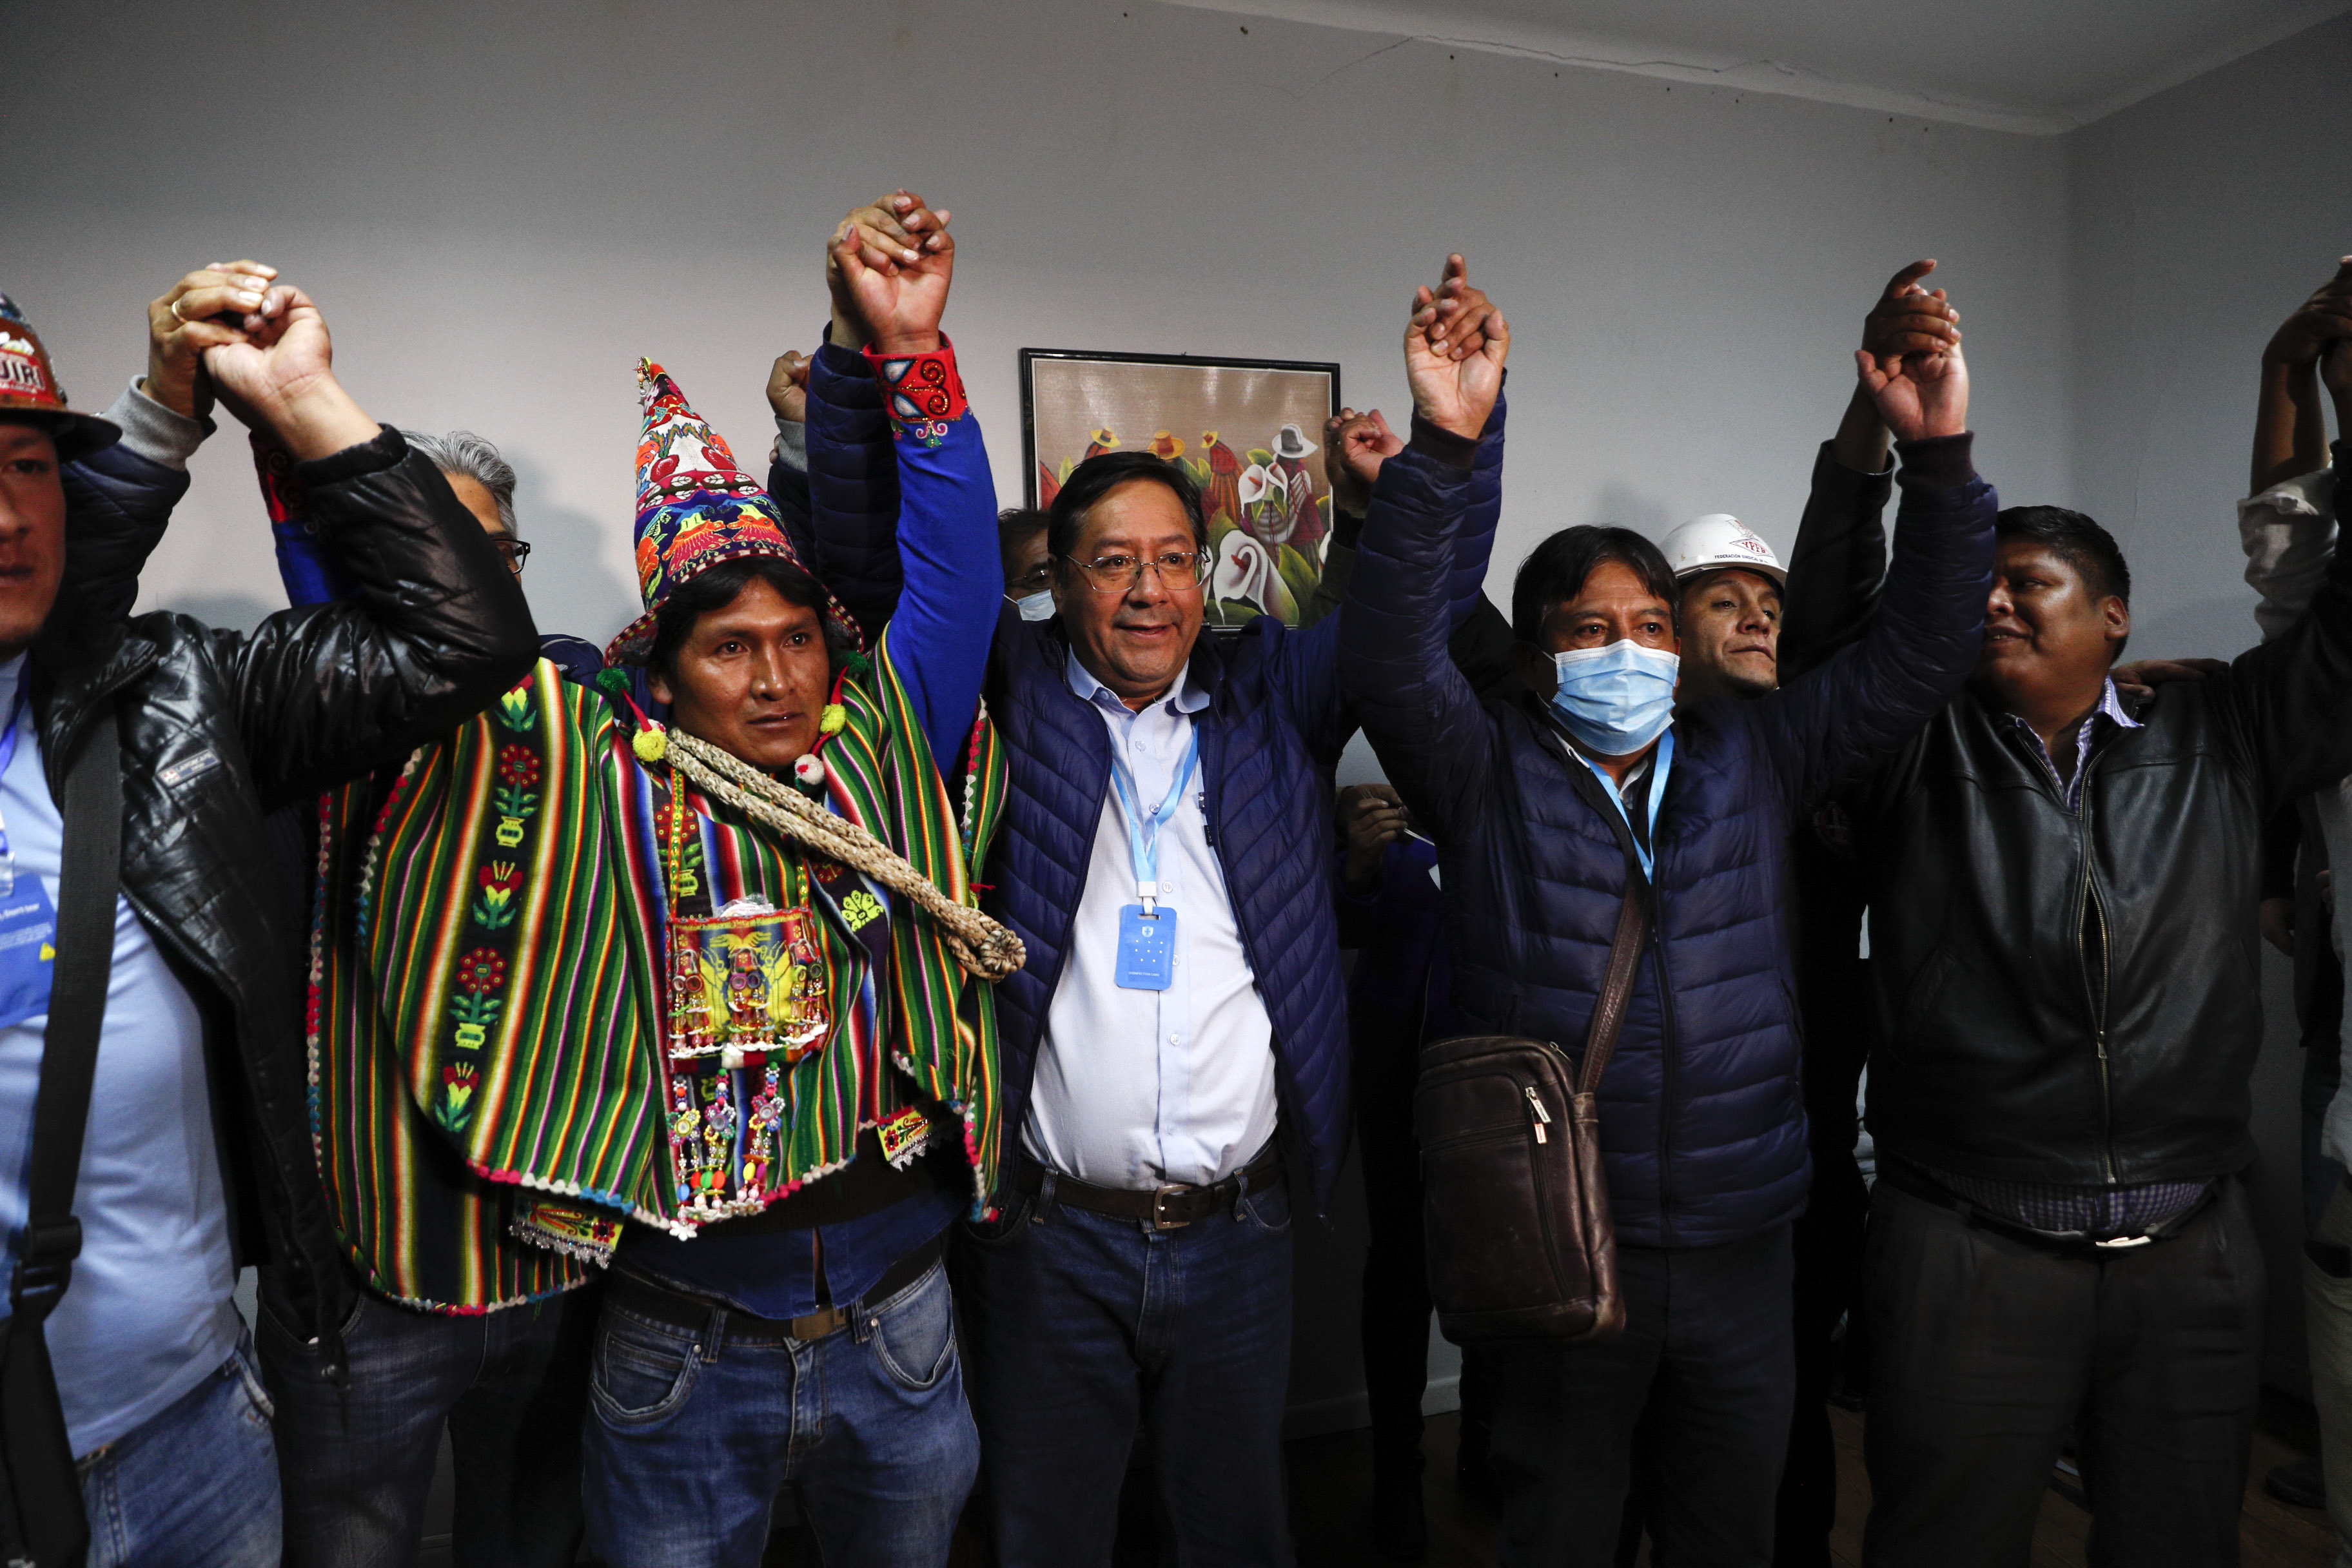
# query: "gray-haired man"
[[359, 1441]]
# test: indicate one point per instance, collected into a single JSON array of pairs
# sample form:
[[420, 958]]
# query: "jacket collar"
[[72, 673], [1204, 671], [1186, 695]]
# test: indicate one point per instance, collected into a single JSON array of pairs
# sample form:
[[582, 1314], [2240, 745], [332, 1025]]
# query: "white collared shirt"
[[1138, 1088]]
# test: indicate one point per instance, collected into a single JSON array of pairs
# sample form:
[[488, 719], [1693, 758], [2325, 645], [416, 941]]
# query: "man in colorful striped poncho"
[[555, 1025]]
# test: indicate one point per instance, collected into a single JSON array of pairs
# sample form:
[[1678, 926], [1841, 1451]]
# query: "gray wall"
[[2200, 217], [500, 207]]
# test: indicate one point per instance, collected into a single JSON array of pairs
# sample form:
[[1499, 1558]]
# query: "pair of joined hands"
[[231, 332], [887, 268], [1909, 364], [1455, 343], [2320, 332]]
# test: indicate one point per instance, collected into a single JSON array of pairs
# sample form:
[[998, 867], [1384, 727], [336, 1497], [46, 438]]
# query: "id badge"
[[1146, 948], [28, 953]]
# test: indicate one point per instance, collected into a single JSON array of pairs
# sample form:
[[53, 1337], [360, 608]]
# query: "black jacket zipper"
[[2094, 909], [2094, 996]]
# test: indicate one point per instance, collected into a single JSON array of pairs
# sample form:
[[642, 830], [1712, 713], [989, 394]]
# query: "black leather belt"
[[649, 1297], [1903, 1178], [1171, 1206]]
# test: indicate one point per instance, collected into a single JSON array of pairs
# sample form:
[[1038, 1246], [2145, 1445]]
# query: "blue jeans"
[[692, 1433], [1082, 1327], [357, 1460], [197, 1483]]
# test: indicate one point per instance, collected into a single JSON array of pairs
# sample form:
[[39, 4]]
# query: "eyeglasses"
[[516, 551], [1177, 570], [1037, 577]]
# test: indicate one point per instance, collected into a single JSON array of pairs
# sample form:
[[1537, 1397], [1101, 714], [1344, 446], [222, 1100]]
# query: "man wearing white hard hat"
[[1731, 584]]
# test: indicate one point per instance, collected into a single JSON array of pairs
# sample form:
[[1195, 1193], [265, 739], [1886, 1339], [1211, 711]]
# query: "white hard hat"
[[1718, 539]]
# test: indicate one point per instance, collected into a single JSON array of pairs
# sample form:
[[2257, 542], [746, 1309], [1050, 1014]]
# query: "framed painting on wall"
[[1249, 432]]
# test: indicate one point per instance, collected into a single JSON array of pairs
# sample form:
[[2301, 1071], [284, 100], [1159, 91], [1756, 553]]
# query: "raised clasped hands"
[[1455, 343], [1911, 362], [1908, 319], [2319, 327], [888, 266], [231, 331], [204, 309]]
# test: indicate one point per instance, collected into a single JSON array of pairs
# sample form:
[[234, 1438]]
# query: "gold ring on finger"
[[175, 314]]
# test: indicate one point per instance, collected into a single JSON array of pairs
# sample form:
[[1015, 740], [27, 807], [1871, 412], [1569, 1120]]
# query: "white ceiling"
[[2034, 66]]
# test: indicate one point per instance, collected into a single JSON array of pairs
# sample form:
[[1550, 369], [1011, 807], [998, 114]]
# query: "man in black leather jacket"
[[217, 728], [2062, 891]]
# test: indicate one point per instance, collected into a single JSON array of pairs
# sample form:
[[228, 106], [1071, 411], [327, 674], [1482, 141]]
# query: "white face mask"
[[1036, 606], [1618, 699]]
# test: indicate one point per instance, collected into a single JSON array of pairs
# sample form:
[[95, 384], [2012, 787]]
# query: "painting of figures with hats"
[[1249, 434]]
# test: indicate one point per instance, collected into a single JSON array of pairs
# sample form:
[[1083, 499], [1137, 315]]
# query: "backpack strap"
[[88, 881]]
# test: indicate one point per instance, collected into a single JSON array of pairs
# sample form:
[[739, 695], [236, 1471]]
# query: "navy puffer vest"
[[1269, 737]]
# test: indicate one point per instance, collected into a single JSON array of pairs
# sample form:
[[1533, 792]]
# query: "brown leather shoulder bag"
[[1520, 1242]]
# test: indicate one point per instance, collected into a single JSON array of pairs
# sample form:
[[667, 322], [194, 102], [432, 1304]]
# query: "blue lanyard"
[[1658, 772], [7, 756], [1142, 832]]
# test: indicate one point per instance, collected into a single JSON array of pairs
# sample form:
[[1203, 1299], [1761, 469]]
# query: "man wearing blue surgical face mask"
[[1028, 564], [1548, 814]]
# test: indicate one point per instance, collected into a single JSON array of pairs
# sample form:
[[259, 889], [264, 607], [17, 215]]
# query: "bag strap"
[[1616, 987], [87, 877]]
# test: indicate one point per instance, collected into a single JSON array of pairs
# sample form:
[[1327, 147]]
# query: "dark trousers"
[[1989, 1353], [1695, 1394], [1082, 1328], [1827, 1240], [1396, 1306], [355, 1462]]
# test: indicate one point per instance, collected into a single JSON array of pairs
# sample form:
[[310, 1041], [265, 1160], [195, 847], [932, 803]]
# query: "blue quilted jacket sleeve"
[[945, 551], [853, 489], [117, 506], [1309, 672], [1420, 712], [1838, 565], [1473, 543], [1921, 645]]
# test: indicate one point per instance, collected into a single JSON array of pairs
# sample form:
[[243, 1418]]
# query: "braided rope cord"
[[980, 944]]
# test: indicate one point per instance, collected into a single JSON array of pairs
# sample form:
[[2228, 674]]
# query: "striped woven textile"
[[491, 1095]]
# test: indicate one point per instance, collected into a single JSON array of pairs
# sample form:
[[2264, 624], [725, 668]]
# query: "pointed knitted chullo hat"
[[696, 507]]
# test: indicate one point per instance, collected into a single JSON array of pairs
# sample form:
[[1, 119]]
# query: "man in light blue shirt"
[[197, 1115], [1139, 1088], [1180, 1023], [148, 1317]]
